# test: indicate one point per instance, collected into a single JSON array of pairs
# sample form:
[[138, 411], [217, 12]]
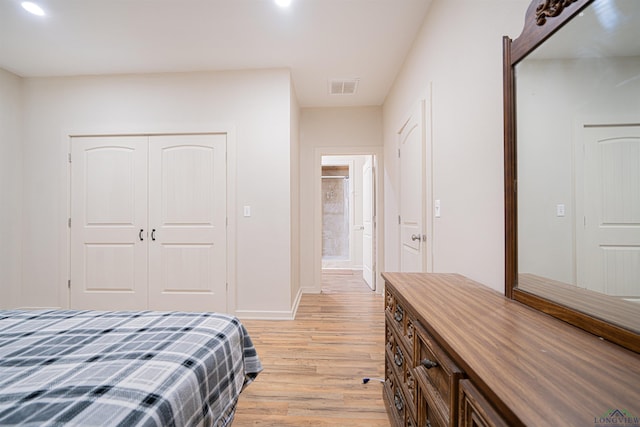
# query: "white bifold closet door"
[[148, 217]]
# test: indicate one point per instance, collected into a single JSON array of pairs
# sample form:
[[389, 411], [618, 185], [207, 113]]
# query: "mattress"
[[92, 368]]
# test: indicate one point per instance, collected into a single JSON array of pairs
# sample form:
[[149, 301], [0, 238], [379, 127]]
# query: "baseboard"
[[310, 290], [271, 314], [263, 315], [341, 271], [296, 303]]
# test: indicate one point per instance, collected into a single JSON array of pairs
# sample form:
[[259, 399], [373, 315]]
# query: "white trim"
[[64, 239], [232, 210], [150, 130], [296, 304], [264, 315], [429, 215], [319, 152], [271, 315]]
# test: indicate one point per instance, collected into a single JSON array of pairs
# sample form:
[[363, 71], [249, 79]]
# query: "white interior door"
[[412, 199], [608, 223], [187, 220], [368, 269], [109, 217]]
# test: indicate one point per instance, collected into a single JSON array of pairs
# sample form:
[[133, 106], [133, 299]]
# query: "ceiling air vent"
[[343, 86]]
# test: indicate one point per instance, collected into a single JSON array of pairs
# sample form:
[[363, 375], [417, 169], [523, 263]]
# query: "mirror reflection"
[[578, 133]]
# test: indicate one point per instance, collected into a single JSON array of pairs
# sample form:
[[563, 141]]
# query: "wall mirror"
[[572, 164]]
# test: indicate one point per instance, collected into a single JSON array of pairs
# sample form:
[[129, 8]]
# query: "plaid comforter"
[[89, 368]]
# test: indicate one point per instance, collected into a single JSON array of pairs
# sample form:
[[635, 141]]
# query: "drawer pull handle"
[[398, 401], [399, 314], [428, 363], [398, 358]]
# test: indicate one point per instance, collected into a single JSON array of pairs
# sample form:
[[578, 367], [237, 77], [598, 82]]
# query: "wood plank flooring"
[[314, 365]]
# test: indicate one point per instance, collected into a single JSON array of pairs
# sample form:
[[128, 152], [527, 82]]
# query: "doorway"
[[339, 214], [347, 201]]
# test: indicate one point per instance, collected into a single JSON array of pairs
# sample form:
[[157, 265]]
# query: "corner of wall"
[[295, 197]]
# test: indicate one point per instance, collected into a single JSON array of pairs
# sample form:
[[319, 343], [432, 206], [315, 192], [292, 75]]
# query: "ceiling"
[[318, 40]]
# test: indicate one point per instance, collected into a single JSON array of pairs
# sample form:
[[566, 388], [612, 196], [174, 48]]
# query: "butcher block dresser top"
[[534, 369]]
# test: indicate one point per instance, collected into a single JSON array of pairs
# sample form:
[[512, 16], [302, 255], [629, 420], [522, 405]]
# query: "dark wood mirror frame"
[[543, 18]]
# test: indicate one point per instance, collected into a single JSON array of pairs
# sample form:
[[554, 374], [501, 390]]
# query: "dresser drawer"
[[402, 358], [402, 320], [399, 365], [428, 414], [397, 409], [393, 395], [475, 410], [440, 374]]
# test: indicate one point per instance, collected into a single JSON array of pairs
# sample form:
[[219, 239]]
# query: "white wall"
[[327, 128], [257, 104], [10, 188], [459, 51]]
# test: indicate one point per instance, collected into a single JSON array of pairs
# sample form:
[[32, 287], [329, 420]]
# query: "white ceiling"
[[317, 40]]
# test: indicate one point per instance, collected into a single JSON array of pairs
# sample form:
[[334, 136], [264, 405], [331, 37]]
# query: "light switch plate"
[[247, 211], [436, 208]]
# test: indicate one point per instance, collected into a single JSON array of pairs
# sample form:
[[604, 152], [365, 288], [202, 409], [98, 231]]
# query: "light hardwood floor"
[[314, 365]]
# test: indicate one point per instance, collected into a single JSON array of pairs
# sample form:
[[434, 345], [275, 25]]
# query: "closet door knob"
[[153, 234], [140, 235]]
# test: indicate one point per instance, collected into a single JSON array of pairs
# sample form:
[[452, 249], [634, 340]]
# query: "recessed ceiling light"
[[283, 3], [32, 8]]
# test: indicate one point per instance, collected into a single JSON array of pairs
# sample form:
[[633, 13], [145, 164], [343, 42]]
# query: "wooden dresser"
[[460, 354]]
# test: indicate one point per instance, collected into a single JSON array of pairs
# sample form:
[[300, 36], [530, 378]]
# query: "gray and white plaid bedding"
[[90, 368]]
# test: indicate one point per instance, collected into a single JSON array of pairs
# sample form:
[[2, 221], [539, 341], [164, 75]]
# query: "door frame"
[[377, 153], [370, 193], [64, 252]]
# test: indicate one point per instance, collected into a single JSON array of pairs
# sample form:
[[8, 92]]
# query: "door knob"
[[415, 237]]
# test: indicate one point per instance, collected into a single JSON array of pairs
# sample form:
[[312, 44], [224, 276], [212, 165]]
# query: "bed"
[[97, 368]]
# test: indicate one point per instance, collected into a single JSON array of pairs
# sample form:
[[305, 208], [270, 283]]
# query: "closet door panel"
[[109, 216], [187, 217], [187, 267]]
